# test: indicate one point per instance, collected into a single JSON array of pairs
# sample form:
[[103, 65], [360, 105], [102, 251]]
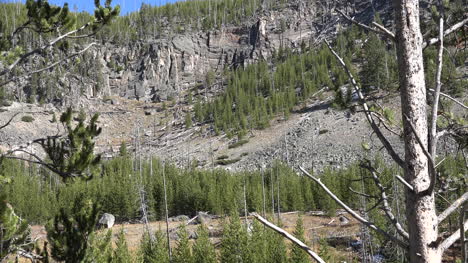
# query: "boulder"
[[178, 218], [203, 218], [344, 220], [107, 220]]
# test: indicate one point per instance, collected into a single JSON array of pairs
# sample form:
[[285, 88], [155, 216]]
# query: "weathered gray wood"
[[420, 207], [290, 237], [353, 213]]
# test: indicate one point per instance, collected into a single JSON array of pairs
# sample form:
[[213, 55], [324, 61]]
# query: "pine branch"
[[48, 67]]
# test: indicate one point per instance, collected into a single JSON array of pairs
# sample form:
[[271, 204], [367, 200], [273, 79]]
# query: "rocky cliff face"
[[154, 70], [158, 69]]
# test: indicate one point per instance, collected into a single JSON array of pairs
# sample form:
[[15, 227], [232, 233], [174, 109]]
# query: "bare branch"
[[375, 205], [404, 182], [439, 163], [354, 214], [8, 122], [379, 30], [460, 201], [371, 121], [41, 162], [450, 30], [362, 194], [386, 207], [39, 49], [452, 99], [388, 33], [435, 107], [289, 236], [27, 144], [452, 238], [50, 66]]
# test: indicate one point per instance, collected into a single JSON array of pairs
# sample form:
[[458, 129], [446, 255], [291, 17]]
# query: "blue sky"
[[126, 6]]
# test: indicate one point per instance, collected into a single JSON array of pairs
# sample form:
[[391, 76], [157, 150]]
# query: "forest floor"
[[339, 235]]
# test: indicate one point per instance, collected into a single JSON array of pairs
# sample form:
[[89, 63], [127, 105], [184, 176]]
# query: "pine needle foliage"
[[69, 233], [203, 249], [154, 251], [235, 244], [183, 252], [100, 248], [73, 156], [121, 253], [14, 232], [297, 254]]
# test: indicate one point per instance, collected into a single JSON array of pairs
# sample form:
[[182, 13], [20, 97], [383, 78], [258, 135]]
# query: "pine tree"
[[276, 248], [14, 232], [70, 232], [73, 156], [324, 250], [188, 120], [123, 149], [203, 249], [297, 254], [258, 243], [100, 248], [121, 253], [154, 251], [234, 247], [182, 253]]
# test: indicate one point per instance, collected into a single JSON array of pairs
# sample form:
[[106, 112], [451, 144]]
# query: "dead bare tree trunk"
[[420, 203], [463, 240], [166, 212]]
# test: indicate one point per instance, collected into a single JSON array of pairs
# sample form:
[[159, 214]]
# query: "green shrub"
[[227, 161], [27, 118], [238, 144], [323, 131], [222, 157]]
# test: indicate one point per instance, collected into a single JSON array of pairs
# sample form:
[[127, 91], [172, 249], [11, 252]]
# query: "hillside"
[[225, 110]]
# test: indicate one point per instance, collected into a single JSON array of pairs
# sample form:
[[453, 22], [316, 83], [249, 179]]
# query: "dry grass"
[[316, 227]]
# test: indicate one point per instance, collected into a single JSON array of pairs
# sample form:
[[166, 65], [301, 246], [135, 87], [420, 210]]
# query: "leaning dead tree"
[[294, 240], [421, 239]]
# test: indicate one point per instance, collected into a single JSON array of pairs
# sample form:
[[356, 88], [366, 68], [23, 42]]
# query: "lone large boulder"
[[203, 218], [107, 220]]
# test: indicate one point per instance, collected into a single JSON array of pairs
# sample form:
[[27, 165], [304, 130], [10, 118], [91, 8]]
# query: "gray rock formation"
[[157, 69], [107, 220]]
